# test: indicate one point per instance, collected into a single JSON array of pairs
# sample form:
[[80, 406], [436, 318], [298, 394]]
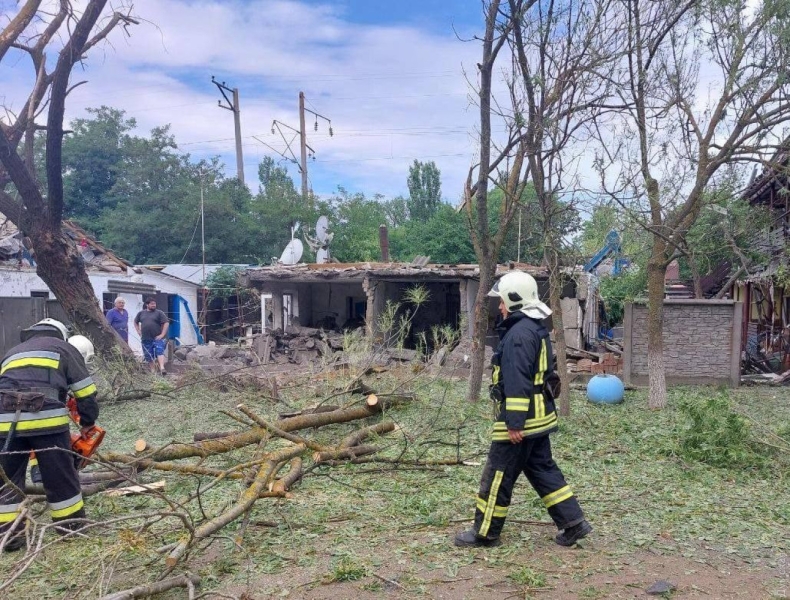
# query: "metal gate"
[[18, 313]]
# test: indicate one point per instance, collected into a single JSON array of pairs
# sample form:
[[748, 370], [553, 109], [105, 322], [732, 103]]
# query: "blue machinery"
[[612, 248]]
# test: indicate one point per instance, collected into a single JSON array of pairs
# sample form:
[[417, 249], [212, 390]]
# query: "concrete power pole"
[[305, 150], [233, 106], [303, 145]]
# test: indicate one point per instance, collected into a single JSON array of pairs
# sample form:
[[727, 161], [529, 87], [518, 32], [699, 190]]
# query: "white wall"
[[19, 283]]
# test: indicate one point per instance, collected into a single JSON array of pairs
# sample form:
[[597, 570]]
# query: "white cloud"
[[393, 93]]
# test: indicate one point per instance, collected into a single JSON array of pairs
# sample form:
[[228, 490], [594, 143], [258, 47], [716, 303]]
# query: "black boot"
[[470, 539], [571, 535], [15, 543]]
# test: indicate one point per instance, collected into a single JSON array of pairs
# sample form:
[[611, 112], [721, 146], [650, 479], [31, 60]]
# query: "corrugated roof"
[[191, 273]]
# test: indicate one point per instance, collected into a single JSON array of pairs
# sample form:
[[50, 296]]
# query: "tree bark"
[[560, 348], [656, 271], [247, 499], [479, 332], [62, 268], [151, 589], [253, 436]]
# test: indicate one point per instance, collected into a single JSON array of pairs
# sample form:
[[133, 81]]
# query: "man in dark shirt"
[[151, 324]]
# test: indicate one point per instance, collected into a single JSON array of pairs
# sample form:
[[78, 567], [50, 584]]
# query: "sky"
[[391, 76]]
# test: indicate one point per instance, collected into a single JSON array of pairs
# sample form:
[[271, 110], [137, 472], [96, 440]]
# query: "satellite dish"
[[322, 256], [321, 229], [293, 252]]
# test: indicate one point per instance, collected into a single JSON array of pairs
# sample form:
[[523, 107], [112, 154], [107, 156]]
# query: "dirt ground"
[[592, 570]]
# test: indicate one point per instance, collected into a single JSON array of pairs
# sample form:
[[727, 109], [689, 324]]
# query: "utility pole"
[[305, 150], [233, 106], [303, 145]]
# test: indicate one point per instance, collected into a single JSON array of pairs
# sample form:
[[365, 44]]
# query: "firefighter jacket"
[[53, 367], [520, 365]]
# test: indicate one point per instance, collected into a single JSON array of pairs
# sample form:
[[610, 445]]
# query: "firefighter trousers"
[[505, 463], [58, 474]]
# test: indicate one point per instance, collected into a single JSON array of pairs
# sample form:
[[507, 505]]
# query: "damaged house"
[[25, 298], [765, 290], [337, 295]]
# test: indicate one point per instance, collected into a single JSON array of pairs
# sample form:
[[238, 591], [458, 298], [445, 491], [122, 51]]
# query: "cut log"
[[294, 474], [140, 445], [358, 437], [177, 451], [279, 432], [354, 452], [151, 589]]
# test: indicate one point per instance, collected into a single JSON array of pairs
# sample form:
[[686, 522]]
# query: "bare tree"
[[556, 51], [561, 47], [511, 178], [35, 31], [703, 85]]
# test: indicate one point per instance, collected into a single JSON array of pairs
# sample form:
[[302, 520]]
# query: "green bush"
[[712, 433]]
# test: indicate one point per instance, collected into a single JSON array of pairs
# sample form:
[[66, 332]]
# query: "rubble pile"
[[294, 346]]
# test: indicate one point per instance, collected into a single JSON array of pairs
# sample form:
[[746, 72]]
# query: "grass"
[[631, 468]]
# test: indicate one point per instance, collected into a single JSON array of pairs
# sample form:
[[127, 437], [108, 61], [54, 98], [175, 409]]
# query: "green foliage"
[[223, 283], [425, 190], [714, 434], [617, 290], [528, 577], [347, 570], [355, 223], [725, 219], [444, 237]]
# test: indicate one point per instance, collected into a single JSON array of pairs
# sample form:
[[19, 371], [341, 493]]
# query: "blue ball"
[[605, 389]]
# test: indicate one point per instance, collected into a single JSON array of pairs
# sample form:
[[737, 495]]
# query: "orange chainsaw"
[[83, 444]]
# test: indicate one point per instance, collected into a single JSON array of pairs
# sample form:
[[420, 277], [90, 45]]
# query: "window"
[[39, 294]]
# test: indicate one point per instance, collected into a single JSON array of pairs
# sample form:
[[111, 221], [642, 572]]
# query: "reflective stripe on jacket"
[[520, 365], [53, 367]]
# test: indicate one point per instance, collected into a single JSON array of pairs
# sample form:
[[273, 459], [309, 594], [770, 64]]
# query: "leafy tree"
[[277, 208], [93, 158], [425, 189], [355, 223], [444, 237]]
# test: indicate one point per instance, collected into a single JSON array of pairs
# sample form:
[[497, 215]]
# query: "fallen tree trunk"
[[142, 591], [279, 432], [254, 435], [247, 499]]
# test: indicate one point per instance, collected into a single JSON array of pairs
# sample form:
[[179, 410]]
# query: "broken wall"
[[702, 342]]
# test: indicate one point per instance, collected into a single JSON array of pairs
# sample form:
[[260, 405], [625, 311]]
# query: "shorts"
[[152, 349]]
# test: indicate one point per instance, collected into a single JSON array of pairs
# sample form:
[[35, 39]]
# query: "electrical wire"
[[194, 231]]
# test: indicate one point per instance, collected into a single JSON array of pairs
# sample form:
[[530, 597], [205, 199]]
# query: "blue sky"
[[390, 75]]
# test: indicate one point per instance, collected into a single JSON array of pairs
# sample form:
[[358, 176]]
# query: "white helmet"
[[84, 345], [46, 327], [519, 291]]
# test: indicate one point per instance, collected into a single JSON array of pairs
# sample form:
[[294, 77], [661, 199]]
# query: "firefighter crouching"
[[522, 366], [35, 378]]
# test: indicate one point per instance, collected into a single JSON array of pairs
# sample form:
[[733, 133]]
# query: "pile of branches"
[[266, 473]]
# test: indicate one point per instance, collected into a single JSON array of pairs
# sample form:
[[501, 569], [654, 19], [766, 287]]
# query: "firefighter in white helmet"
[[36, 377], [524, 386]]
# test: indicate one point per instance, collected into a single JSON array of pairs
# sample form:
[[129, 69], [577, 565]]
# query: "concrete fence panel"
[[702, 342]]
